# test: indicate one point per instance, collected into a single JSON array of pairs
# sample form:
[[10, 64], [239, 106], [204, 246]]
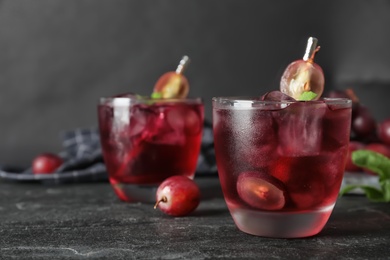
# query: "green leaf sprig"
[[156, 95], [307, 96], [377, 163]]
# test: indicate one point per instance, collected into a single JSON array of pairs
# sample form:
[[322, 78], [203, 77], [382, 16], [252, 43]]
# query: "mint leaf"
[[347, 189], [140, 96], [371, 193], [307, 96], [156, 95], [377, 163], [373, 161], [386, 189]]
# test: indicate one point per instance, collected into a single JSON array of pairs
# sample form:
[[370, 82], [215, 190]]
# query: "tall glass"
[[281, 163], [145, 141]]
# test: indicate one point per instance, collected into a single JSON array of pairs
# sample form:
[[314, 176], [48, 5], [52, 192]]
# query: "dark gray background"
[[58, 57]]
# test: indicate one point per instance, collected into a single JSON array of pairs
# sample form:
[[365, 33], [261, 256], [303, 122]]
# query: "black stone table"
[[87, 221]]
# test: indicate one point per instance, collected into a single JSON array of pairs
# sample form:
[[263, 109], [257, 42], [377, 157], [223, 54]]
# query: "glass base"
[[280, 224], [145, 193]]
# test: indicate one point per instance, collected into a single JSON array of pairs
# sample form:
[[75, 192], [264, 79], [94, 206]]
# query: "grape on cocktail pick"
[[173, 84], [304, 79]]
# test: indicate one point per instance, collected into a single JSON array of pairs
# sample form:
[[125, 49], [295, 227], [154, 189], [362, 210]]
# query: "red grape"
[[301, 76], [304, 76], [346, 93], [384, 131], [261, 191], [379, 148], [46, 163], [363, 123], [177, 196], [173, 84]]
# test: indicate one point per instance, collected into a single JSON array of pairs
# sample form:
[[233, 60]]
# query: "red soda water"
[[281, 163], [146, 141]]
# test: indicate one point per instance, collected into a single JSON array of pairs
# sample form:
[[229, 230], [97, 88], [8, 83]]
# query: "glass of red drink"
[[146, 140], [281, 163]]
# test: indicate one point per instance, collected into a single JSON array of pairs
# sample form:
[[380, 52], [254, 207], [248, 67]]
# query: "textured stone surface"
[[88, 221]]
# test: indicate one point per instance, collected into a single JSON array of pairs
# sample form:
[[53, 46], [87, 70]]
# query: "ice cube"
[[311, 180], [105, 120], [127, 159], [139, 118], [258, 156], [300, 128], [255, 136], [184, 118], [305, 186], [332, 172], [336, 128], [309, 195], [167, 138], [160, 131]]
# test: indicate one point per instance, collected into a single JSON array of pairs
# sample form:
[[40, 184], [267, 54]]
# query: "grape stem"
[[311, 59], [351, 94], [163, 199]]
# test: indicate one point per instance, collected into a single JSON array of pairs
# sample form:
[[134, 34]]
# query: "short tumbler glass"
[[145, 141], [281, 163]]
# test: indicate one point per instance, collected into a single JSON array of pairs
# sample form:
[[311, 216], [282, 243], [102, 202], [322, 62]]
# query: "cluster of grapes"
[[366, 132]]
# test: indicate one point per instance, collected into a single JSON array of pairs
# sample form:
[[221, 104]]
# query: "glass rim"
[[252, 102], [149, 100]]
